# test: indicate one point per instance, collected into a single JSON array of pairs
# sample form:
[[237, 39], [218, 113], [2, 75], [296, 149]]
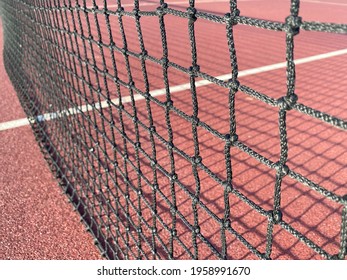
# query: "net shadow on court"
[[160, 167]]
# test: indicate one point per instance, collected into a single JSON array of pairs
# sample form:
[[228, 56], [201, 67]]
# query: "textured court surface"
[[317, 150], [36, 220]]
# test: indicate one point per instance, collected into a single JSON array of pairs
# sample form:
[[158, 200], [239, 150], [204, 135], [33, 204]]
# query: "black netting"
[[138, 163]]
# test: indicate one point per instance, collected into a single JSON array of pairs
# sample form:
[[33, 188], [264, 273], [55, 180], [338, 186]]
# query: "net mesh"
[[113, 137]]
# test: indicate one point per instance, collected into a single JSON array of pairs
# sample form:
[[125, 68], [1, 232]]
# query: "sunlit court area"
[[173, 130]]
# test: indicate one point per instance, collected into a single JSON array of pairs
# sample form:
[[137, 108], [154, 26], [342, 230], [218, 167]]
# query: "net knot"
[[193, 70], [173, 177], [130, 85], [232, 139], [191, 14], [112, 45], [287, 102], [197, 159], [124, 51], [191, 11], [138, 145], [276, 216], [293, 24], [165, 62], [169, 104], [226, 224], [94, 8], [146, 95], [231, 17], [161, 11], [197, 229], [136, 13], [139, 192], [195, 120], [170, 145], [234, 84], [282, 168], [143, 54], [173, 210], [119, 11], [227, 186]]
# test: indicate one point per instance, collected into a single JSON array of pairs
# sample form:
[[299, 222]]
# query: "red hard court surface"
[[316, 150], [36, 221]]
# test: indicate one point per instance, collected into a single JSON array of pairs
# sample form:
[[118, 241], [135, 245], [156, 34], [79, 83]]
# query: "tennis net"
[[130, 144]]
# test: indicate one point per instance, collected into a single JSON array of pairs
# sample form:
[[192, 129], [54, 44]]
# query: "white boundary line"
[[13, 124], [173, 89]]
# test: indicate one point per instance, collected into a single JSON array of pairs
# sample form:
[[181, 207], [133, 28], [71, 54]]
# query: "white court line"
[[322, 2], [173, 89], [14, 124]]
